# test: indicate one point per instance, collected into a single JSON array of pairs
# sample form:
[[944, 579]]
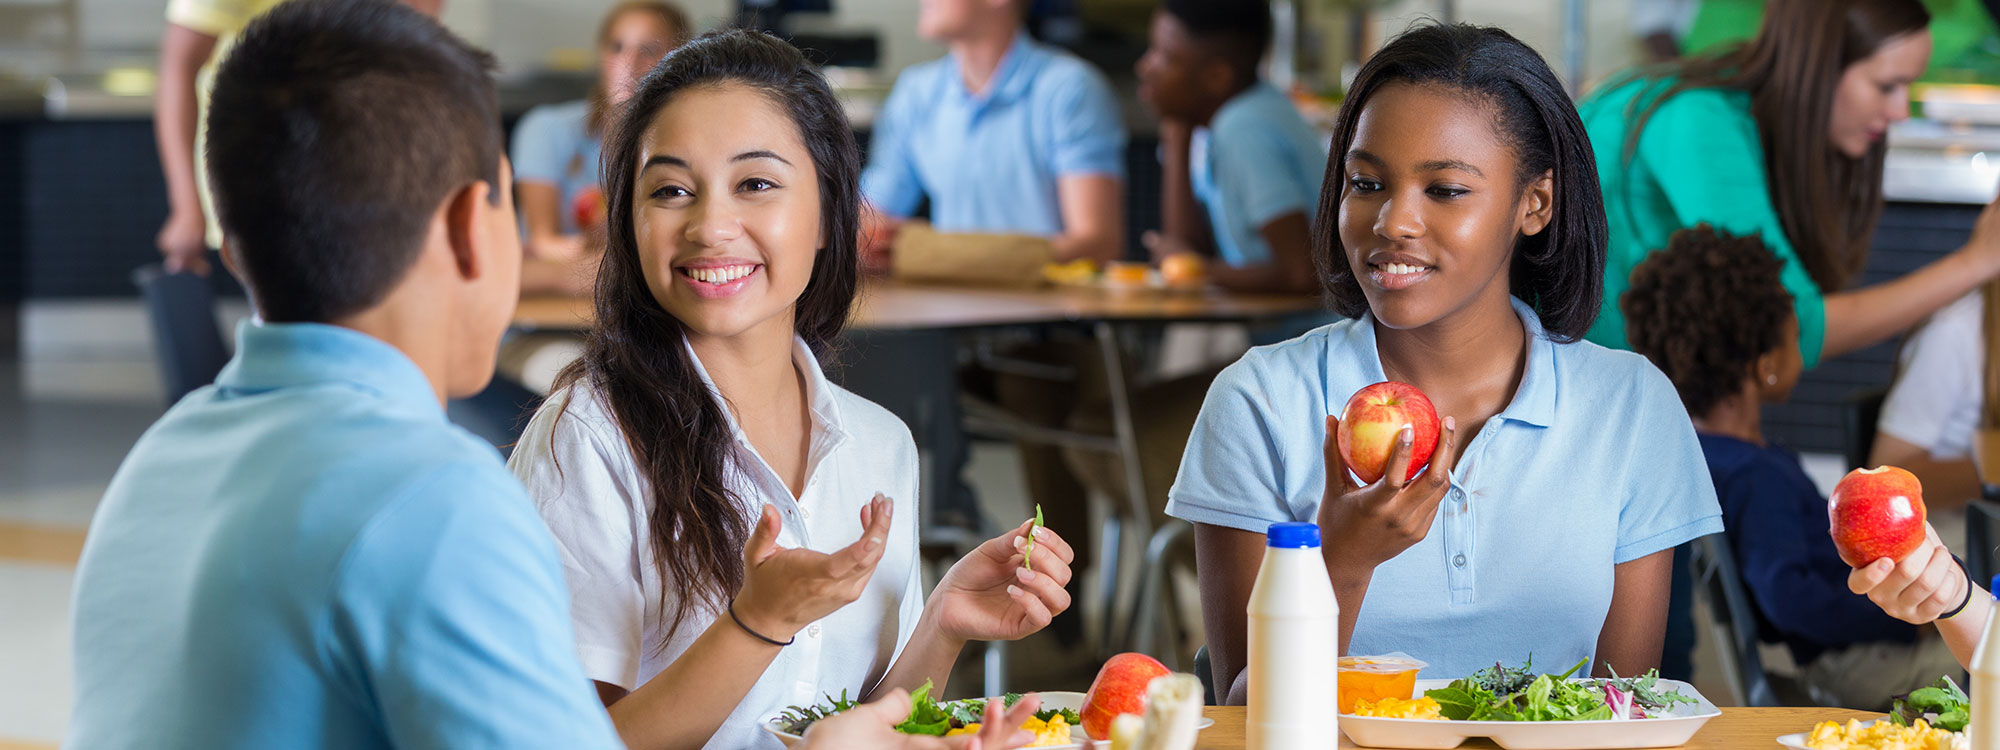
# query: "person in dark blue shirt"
[[1711, 312]]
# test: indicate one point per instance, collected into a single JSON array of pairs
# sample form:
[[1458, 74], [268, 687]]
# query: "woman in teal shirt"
[[1782, 136]]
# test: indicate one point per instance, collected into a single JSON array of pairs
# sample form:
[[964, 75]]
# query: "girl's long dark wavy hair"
[[635, 356], [1558, 271], [1827, 202]]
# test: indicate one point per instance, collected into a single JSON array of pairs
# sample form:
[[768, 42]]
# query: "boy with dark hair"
[[1241, 169], [1711, 312], [307, 554]]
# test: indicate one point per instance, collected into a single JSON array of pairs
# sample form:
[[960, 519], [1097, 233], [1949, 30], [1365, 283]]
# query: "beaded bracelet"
[[766, 638]]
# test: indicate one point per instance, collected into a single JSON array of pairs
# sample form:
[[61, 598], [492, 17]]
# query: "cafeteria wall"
[[77, 36], [1609, 45]]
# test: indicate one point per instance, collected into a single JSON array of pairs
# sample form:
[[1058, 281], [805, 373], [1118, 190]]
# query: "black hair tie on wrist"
[[794, 638], [1970, 586]]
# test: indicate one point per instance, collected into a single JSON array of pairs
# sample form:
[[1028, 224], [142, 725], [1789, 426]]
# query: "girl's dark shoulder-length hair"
[[1558, 271], [1827, 202], [636, 357]]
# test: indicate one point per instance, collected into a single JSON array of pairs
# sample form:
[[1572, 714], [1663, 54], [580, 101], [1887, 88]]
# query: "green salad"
[[1500, 693], [1942, 705], [927, 716]]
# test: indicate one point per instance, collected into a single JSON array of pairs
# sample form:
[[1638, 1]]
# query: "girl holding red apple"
[[1462, 234], [1711, 312], [708, 487]]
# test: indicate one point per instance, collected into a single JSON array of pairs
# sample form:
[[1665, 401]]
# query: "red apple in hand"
[[587, 210], [1373, 418], [1876, 513], [1120, 688]]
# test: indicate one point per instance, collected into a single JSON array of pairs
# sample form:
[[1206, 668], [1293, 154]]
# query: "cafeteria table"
[[931, 311], [1735, 729]]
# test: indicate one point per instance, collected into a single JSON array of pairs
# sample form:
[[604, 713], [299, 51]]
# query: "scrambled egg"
[[1882, 735], [1079, 271], [1051, 733], [1399, 708]]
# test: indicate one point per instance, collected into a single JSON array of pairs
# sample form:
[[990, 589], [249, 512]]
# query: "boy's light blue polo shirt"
[[307, 555], [553, 145], [990, 162], [1593, 463], [1256, 161]]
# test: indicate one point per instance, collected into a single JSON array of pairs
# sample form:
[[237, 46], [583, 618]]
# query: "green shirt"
[[1698, 160], [1957, 28]]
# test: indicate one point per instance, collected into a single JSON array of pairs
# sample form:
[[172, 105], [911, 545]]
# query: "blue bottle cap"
[[1294, 535], [1994, 587]]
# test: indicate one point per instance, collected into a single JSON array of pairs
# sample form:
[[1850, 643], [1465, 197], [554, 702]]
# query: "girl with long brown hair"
[[709, 488], [556, 146], [1781, 136]]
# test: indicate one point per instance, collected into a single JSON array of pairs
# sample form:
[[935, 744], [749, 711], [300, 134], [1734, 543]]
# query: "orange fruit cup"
[[1377, 677]]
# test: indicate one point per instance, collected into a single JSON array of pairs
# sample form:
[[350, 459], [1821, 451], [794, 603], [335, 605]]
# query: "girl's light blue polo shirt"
[[1594, 463]]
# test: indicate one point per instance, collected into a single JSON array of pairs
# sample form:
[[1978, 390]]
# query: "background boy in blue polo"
[[1005, 135], [1241, 169], [307, 554]]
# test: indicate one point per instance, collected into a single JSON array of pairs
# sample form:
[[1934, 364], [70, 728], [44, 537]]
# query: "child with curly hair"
[[1712, 313]]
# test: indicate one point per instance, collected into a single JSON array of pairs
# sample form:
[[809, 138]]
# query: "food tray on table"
[[1673, 729], [1050, 700]]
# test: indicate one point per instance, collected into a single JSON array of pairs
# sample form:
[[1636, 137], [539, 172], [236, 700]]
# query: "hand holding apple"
[[1876, 513], [1120, 688], [1371, 422], [587, 209], [1916, 589], [1363, 527]]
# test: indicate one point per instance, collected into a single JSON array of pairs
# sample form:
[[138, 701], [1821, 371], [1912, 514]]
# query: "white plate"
[[1058, 699], [1672, 730]]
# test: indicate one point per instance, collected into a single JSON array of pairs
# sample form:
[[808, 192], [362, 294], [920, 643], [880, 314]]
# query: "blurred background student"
[[1947, 385], [556, 148], [1240, 167], [1004, 135], [1712, 312], [1782, 136], [198, 33]]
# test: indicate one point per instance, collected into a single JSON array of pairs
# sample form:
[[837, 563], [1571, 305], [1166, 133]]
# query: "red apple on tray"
[[1120, 688], [1876, 513], [1373, 418]]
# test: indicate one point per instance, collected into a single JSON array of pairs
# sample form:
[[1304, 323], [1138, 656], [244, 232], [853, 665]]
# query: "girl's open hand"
[[786, 589]]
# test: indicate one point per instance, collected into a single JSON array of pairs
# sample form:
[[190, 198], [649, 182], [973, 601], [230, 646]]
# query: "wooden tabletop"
[[1735, 729], [889, 305]]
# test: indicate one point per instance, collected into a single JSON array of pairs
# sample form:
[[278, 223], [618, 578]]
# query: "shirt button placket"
[[1457, 540]]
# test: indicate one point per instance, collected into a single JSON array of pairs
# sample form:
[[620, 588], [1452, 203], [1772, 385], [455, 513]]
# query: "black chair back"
[[1858, 416], [187, 337], [1204, 670], [1721, 586]]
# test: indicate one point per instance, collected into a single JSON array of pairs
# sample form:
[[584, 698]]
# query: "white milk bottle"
[[1294, 646], [1983, 727]]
